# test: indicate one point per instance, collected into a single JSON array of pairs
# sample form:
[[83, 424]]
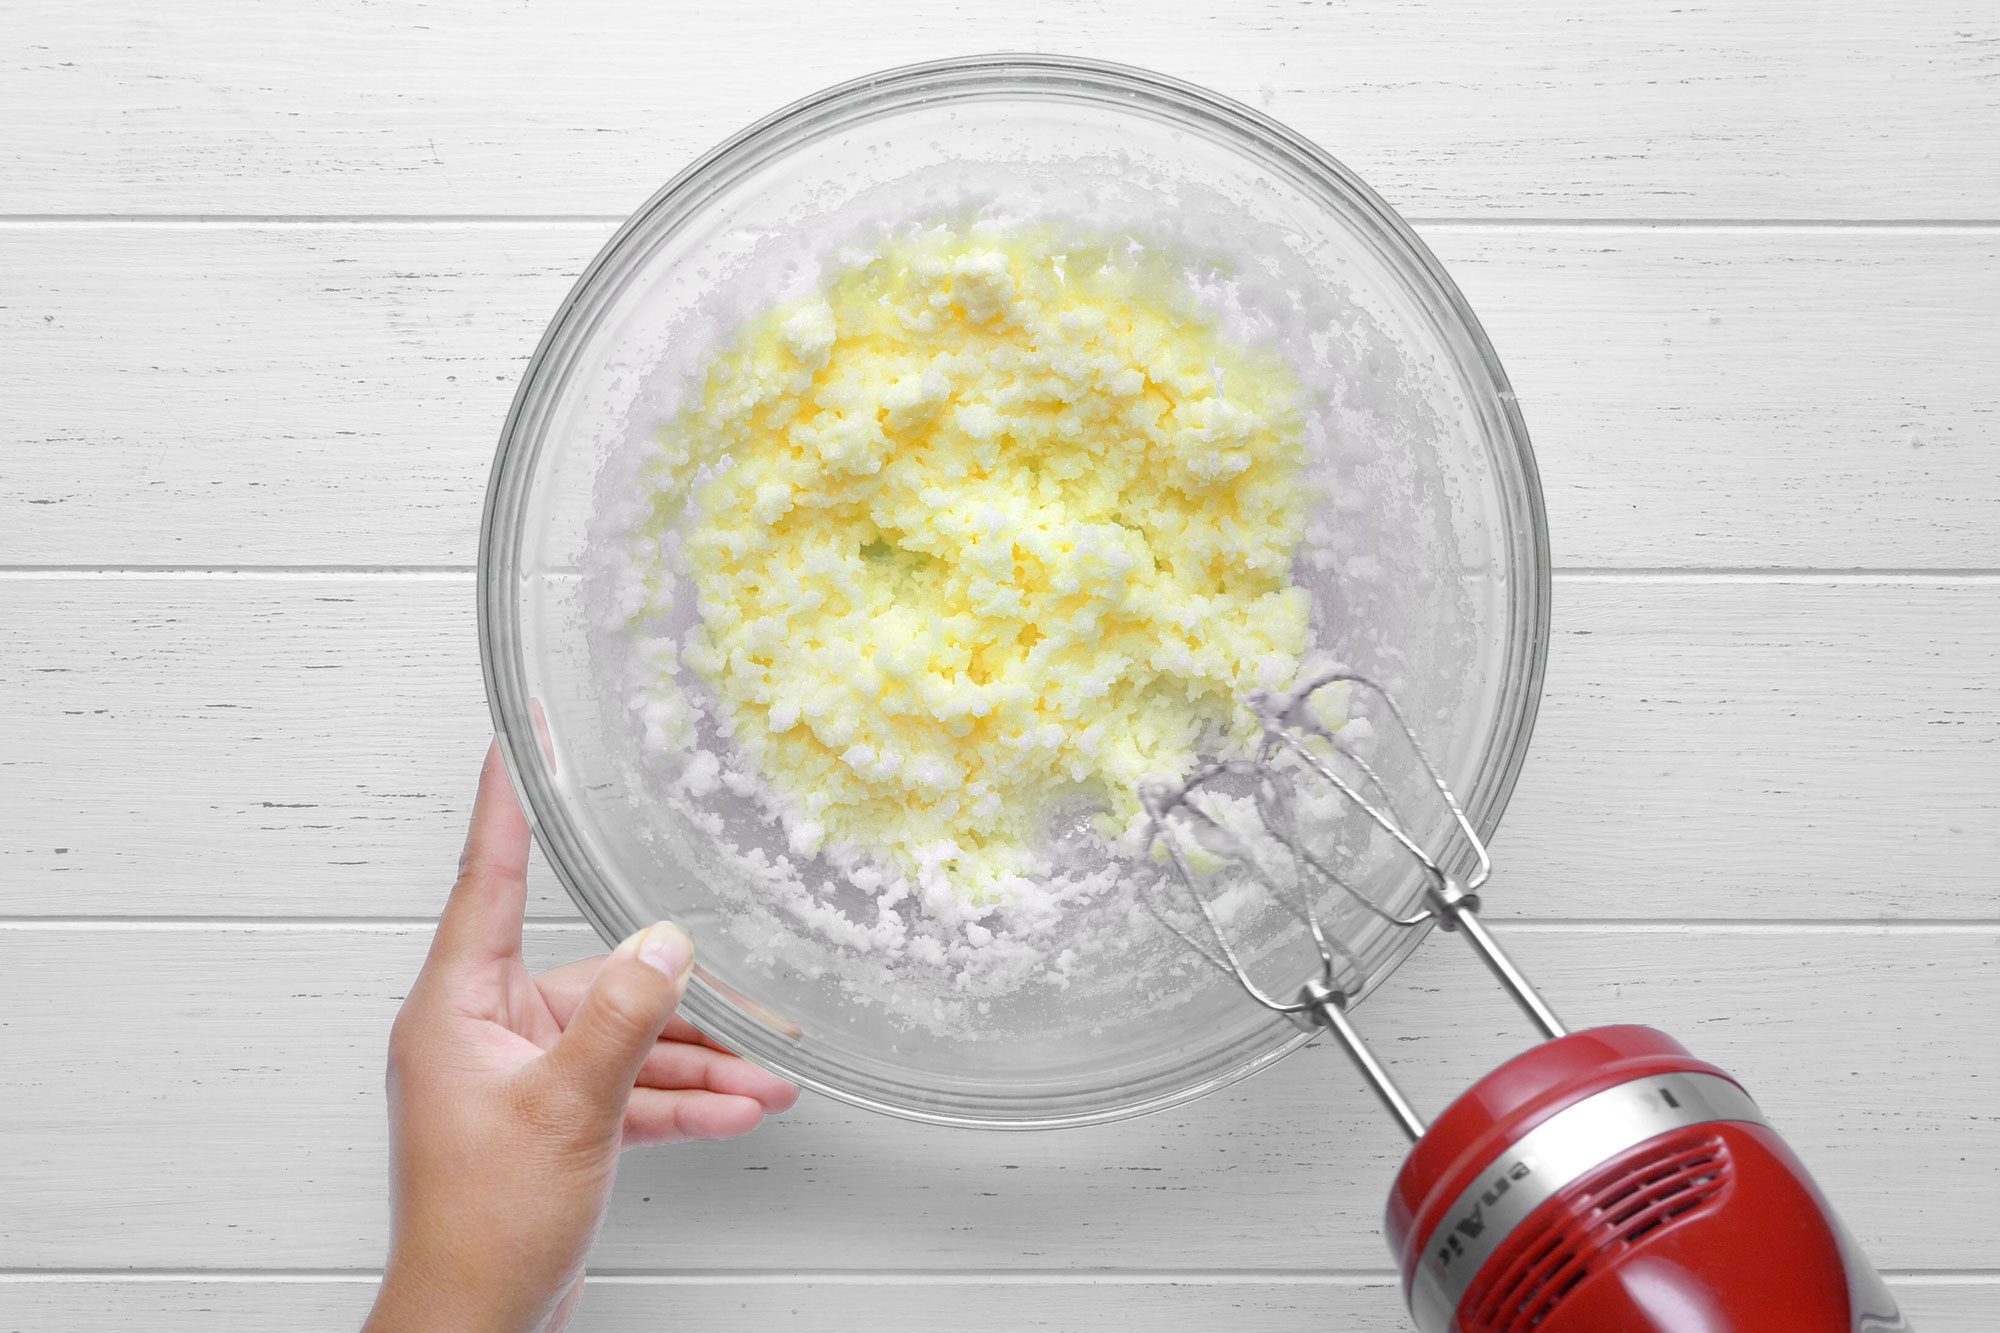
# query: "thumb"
[[619, 1018]]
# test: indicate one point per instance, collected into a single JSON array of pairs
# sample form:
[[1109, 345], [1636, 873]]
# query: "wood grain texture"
[[304, 746], [191, 1108], [139, 1138], [1837, 109], [221, 395], [1244, 1305]]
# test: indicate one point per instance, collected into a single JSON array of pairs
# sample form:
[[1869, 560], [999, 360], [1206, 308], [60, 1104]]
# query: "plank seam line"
[[1496, 222], [866, 1277], [1562, 573], [358, 924], [1770, 574], [225, 221], [1527, 925], [62, 572], [1467, 222]]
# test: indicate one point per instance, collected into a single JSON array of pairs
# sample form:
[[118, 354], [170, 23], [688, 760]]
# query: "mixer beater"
[[1604, 1181]]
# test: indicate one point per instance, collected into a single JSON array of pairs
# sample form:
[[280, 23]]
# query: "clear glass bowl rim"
[[1525, 527]]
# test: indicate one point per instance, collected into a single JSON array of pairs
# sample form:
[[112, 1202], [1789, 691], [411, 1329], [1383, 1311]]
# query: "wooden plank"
[[263, 395], [1751, 398], [245, 745], [311, 395], [1760, 748], [299, 395], [966, 1305], [199, 1096], [304, 745], [1840, 109]]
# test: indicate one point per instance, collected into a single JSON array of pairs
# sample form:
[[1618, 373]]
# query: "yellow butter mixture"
[[995, 522]]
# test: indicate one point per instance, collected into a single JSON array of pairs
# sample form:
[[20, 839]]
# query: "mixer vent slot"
[[1618, 1207]]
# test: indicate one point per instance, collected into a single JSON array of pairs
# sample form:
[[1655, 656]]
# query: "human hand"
[[511, 1095]]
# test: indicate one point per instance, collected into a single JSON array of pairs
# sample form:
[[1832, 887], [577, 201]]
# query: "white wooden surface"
[[1699, 396], [1268, 1304], [267, 280]]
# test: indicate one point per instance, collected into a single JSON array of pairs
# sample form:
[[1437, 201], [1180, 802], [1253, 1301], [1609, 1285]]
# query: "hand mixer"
[[1605, 1181]]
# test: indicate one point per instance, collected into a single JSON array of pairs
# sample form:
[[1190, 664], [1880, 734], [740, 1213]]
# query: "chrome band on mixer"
[[1559, 1151]]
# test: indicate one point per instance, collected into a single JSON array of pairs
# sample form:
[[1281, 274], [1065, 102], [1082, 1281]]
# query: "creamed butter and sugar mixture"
[[992, 521]]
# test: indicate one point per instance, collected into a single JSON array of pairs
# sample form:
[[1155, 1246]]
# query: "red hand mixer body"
[[1609, 1182], [1605, 1181]]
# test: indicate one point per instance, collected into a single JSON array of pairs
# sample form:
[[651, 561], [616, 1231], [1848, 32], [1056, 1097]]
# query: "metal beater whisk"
[[1601, 1179], [1298, 747]]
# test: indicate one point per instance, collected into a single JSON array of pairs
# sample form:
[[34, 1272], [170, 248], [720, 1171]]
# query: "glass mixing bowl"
[[1433, 574]]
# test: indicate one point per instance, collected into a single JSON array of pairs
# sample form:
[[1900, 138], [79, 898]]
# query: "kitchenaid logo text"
[[1470, 1226]]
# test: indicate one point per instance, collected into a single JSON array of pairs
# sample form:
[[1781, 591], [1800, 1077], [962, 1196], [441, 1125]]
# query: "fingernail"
[[666, 948]]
